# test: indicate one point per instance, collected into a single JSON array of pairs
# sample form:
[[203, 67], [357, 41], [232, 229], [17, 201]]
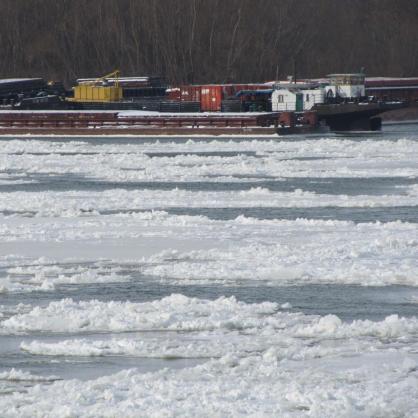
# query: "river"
[[210, 276]]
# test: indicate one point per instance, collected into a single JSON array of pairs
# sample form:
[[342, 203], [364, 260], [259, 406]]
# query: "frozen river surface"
[[210, 277]]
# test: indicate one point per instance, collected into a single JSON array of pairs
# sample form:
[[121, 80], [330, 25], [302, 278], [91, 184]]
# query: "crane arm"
[[114, 74]]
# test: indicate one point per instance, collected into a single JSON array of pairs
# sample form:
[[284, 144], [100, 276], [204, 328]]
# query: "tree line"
[[194, 41]]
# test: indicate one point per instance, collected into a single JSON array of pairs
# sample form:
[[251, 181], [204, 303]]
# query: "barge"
[[145, 106], [151, 123]]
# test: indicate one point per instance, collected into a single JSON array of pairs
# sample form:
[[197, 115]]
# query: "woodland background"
[[207, 40]]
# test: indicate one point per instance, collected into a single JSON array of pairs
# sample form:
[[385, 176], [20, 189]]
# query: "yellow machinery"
[[98, 90]]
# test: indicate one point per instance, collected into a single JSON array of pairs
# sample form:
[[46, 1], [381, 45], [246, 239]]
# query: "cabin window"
[[280, 98], [307, 97]]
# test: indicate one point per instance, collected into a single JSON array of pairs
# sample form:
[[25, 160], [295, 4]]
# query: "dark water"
[[333, 186], [349, 302]]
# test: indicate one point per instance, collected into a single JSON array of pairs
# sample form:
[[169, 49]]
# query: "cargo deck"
[[142, 123]]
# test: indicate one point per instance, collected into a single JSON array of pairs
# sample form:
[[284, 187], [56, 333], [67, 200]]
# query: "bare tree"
[[207, 40]]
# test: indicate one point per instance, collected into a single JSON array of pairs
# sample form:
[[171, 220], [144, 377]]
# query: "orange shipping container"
[[211, 98]]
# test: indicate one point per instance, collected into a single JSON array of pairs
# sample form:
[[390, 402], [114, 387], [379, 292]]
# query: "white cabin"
[[296, 99], [346, 85]]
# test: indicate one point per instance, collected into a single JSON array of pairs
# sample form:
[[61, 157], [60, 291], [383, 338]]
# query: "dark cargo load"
[[13, 89], [41, 102], [17, 85], [231, 105]]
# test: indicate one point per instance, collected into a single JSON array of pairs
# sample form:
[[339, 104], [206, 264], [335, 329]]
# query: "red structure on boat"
[[212, 96], [390, 88]]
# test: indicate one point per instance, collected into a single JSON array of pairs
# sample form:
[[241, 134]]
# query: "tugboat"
[[339, 101]]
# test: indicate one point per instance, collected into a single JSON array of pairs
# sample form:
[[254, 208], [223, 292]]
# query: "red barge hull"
[[134, 123]]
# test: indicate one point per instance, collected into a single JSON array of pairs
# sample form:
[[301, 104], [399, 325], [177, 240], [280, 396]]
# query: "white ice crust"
[[248, 159], [82, 204], [265, 362], [197, 250]]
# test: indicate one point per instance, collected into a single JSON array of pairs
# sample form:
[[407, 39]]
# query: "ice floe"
[[252, 159], [255, 386], [85, 204], [43, 274], [264, 361], [195, 249]]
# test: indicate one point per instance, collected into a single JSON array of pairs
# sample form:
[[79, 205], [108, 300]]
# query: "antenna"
[[294, 70]]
